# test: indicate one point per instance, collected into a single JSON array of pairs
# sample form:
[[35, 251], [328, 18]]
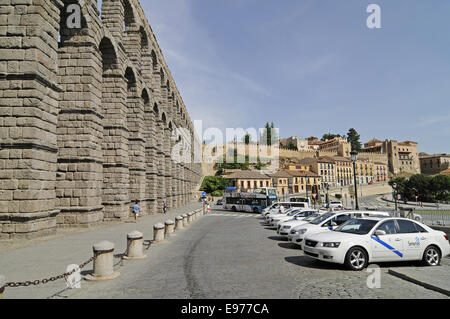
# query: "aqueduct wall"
[[88, 118]]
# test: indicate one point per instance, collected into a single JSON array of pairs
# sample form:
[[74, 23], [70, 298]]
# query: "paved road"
[[226, 255]]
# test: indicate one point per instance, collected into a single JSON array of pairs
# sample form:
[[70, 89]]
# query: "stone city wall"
[[86, 118]]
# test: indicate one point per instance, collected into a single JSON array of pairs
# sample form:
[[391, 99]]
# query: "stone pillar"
[[136, 145], [80, 129], [161, 188], [151, 159], [113, 14], [28, 117], [185, 220], [158, 232], [103, 263], [135, 246], [168, 167], [115, 146], [179, 222], [170, 226]]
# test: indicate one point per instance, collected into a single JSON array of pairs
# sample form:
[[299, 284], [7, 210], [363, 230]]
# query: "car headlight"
[[331, 245], [302, 231]]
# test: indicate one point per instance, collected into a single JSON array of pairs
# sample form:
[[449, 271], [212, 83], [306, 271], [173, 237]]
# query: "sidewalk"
[[45, 259], [434, 278]]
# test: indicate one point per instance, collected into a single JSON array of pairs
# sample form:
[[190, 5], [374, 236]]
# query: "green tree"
[[247, 138], [419, 185], [440, 186], [400, 184], [213, 184], [354, 139]]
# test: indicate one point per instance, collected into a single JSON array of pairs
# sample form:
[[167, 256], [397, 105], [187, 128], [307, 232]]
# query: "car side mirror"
[[380, 233]]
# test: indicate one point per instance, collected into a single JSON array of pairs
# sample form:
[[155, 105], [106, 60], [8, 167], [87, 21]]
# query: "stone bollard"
[[135, 246], [158, 233], [190, 217], [103, 262], [2, 285], [170, 226], [194, 216], [185, 220], [179, 222]]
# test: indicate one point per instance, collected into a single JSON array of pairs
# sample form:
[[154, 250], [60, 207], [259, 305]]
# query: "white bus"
[[253, 201]]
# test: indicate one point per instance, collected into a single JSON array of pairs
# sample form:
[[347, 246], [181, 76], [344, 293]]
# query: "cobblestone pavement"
[[227, 255]]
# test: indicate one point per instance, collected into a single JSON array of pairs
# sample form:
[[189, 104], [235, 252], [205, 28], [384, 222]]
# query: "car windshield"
[[357, 226], [302, 214], [322, 218], [312, 217], [292, 212]]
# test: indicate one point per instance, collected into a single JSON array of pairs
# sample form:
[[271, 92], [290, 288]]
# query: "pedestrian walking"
[[165, 208], [136, 210]]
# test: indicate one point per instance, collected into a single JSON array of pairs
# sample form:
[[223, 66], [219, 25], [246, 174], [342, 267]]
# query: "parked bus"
[[300, 199], [249, 201]]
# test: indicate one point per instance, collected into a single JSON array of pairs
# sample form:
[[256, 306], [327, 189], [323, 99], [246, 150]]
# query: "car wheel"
[[356, 259], [431, 256], [233, 208]]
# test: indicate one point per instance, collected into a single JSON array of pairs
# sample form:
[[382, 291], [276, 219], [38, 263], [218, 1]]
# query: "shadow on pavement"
[[305, 261], [278, 238], [289, 246]]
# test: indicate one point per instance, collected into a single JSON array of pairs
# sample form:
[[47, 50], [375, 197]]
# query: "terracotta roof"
[[341, 159], [446, 172], [247, 175], [281, 174], [317, 160], [407, 143], [303, 174], [374, 140]]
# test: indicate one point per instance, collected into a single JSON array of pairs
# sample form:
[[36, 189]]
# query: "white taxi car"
[[275, 207], [285, 227], [330, 221], [298, 214], [270, 216], [365, 240]]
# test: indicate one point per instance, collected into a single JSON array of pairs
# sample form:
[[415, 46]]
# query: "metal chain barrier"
[[47, 280]]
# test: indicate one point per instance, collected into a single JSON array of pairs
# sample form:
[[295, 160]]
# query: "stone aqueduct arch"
[[86, 118]]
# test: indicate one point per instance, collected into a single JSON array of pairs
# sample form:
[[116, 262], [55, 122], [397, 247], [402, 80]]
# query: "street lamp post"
[[394, 186], [354, 155]]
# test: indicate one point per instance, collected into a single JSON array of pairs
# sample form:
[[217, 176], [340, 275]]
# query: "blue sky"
[[312, 67]]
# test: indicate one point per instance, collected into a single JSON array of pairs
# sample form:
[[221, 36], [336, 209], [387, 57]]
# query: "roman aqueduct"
[[88, 118]]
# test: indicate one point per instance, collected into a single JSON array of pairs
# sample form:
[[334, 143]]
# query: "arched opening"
[[161, 73], [144, 39], [131, 79], [108, 53], [128, 19], [154, 61]]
